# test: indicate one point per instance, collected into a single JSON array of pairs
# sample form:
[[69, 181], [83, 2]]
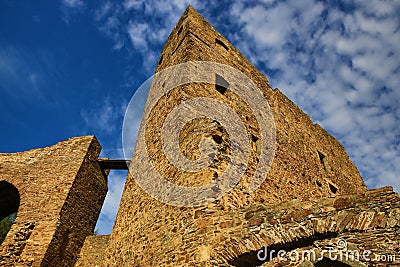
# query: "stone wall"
[[312, 198], [92, 251], [370, 220], [61, 191], [308, 164]]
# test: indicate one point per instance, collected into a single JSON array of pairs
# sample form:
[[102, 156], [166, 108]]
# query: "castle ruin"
[[313, 196]]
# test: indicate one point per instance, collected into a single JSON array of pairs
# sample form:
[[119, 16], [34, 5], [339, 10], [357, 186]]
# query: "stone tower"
[[311, 197], [312, 192]]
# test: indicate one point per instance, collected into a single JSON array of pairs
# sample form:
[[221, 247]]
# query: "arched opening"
[[266, 254], [9, 203]]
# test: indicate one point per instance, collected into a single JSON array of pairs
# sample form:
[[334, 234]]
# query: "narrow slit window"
[[180, 30], [324, 161], [321, 157], [219, 42], [256, 144], [332, 188], [160, 60], [221, 85]]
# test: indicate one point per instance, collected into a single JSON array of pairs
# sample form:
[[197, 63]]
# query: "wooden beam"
[[114, 164]]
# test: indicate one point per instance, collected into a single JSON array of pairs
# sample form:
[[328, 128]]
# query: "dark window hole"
[[160, 60], [324, 161], [217, 138], [332, 188], [221, 85], [219, 42], [180, 30], [321, 157]]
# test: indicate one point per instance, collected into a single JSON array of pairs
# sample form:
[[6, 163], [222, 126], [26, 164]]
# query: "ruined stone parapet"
[[61, 190]]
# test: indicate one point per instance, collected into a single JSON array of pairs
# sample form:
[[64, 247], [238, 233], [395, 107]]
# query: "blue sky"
[[70, 67]]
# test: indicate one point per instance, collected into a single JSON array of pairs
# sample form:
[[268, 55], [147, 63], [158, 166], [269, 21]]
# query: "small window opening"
[[321, 157], [180, 30], [324, 160], [256, 144], [219, 42], [160, 60], [332, 188], [254, 138], [221, 85], [217, 137]]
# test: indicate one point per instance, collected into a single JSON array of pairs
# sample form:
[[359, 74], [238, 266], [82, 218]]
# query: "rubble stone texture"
[[312, 193], [312, 198], [92, 252], [58, 192]]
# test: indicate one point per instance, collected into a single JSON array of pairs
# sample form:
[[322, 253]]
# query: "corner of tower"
[[195, 39]]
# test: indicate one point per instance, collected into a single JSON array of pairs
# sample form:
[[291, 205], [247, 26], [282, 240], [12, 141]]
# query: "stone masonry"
[[59, 192], [312, 199], [312, 193], [92, 251]]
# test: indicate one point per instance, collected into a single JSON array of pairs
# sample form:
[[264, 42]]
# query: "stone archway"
[[9, 199], [9, 204]]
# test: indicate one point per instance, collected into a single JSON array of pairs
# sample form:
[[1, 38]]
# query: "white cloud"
[[22, 74], [342, 69], [379, 9], [103, 117], [129, 4], [139, 33], [70, 8], [73, 3], [108, 17], [146, 24]]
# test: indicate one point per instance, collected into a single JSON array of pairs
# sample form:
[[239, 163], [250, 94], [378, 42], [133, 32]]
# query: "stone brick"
[[91, 253], [299, 143], [312, 195], [61, 191]]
